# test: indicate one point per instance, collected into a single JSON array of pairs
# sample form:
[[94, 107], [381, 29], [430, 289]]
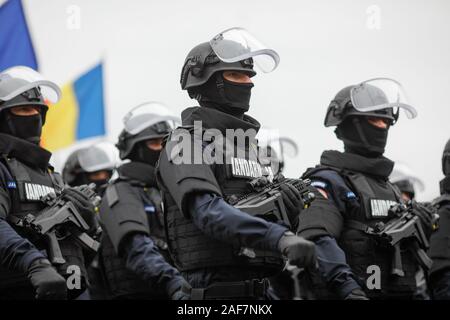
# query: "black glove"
[[299, 251], [356, 294], [182, 293], [84, 206], [425, 213], [48, 283], [292, 199]]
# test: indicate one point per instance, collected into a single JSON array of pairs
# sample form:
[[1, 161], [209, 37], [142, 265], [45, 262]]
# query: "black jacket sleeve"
[[16, 253], [221, 221]]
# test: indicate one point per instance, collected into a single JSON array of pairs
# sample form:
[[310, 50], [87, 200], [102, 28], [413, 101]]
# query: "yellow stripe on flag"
[[59, 130]]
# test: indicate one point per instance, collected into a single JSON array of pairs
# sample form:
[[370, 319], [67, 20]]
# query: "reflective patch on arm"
[[350, 195], [149, 208], [319, 184]]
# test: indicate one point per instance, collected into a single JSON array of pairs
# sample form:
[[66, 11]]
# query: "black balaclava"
[[227, 96], [24, 127], [361, 137], [141, 153]]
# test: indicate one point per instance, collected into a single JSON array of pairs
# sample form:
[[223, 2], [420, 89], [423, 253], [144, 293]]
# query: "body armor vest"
[[372, 198], [120, 282], [191, 249], [26, 187], [440, 240]]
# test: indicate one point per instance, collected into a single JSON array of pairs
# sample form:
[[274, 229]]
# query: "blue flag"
[[16, 47]]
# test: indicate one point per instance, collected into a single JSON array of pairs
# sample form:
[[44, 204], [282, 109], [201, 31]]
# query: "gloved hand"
[[48, 283], [425, 213], [292, 199], [84, 205], [182, 293], [356, 294], [299, 251]]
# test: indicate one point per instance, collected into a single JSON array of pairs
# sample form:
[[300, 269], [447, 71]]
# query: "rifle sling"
[[357, 225]]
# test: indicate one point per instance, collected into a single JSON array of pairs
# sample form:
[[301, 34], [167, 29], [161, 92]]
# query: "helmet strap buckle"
[[220, 85]]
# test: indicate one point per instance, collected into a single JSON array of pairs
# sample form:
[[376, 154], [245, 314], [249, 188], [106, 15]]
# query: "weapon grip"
[[397, 268], [54, 249], [422, 257], [295, 271]]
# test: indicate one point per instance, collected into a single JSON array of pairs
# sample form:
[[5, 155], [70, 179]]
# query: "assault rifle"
[[265, 200], [405, 227], [60, 219]]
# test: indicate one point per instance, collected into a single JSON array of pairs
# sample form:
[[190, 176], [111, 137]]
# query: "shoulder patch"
[[350, 195], [319, 184], [11, 185], [149, 208]]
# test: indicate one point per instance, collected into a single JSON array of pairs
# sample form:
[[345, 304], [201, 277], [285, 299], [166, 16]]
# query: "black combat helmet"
[[201, 63], [150, 120], [23, 86], [98, 157], [234, 49], [71, 168], [376, 97], [405, 179]]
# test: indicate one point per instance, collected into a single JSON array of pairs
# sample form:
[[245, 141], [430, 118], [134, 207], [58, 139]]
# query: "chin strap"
[[220, 86]]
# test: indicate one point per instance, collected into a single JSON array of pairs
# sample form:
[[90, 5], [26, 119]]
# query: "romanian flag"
[[79, 114], [16, 47]]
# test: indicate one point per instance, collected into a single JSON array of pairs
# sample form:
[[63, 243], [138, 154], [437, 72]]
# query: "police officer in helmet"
[[356, 194], [93, 164], [133, 256], [26, 176], [439, 244], [408, 184], [223, 252]]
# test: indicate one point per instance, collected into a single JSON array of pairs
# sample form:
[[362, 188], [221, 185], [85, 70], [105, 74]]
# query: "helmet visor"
[[101, 156], [237, 44], [17, 80], [402, 172], [380, 93], [148, 114]]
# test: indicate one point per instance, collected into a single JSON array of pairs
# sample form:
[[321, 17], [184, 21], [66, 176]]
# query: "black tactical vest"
[[26, 187], [191, 249], [372, 199], [440, 240], [120, 282]]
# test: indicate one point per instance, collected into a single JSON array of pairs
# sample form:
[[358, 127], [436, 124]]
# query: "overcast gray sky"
[[324, 45]]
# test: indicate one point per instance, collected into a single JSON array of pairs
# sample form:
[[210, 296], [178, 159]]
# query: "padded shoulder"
[[180, 173], [441, 201], [122, 212], [333, 183]]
